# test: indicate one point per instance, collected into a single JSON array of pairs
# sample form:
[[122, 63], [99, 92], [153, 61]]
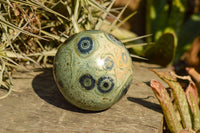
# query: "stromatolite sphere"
[[93, 70]]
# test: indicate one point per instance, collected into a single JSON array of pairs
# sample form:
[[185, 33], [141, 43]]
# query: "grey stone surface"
[[37, 106]]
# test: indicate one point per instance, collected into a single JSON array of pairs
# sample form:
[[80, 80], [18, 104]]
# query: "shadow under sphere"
[[45, 87]]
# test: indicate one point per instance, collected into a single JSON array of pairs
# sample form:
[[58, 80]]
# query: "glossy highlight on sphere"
[[93, 70]]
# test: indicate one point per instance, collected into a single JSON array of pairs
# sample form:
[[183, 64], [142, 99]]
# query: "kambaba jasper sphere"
[[93, 70]]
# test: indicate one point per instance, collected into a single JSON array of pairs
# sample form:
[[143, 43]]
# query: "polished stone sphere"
[[93, 70]]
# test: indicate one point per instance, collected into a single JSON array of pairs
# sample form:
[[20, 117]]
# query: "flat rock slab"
[[37, 106]]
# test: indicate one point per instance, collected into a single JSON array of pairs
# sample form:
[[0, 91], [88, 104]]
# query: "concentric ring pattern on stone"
[[93, 70]]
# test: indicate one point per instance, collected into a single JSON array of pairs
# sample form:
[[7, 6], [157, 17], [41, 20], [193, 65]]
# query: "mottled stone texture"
[[93, 70], [36, 106]]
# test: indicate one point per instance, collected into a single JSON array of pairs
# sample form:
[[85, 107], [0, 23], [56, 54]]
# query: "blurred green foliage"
[[172, 17]]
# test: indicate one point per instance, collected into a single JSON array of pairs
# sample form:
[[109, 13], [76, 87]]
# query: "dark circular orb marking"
[[105, 84], [87, 81], [109, 63], [85, 45], [115, 40], [124, 91]]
